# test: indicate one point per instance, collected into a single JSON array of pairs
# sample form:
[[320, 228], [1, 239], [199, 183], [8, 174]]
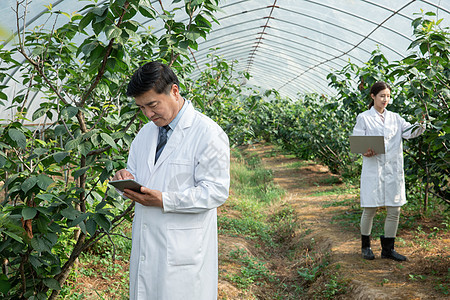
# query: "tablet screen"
[[126, 184]]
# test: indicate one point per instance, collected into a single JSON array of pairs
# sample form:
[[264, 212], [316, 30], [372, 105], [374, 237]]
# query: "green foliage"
[[254, 183], [256, 191], [420, 90], [317, 126], [252, 270], [57, 202], [54, 174], [219, 93]]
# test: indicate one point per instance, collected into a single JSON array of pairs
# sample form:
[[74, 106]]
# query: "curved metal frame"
[[312, 60]]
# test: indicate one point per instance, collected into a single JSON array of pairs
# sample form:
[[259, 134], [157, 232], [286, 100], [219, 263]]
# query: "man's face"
[[160, 108]]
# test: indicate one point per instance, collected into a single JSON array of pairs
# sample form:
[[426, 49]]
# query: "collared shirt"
[[382, 116], [175, 121]]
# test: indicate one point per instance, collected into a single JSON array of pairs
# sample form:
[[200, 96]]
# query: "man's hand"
[[122, 174], [147, 197], [369, 153]]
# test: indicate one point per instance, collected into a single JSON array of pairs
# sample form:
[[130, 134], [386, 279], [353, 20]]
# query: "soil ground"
[[309, 189], [428, 258]]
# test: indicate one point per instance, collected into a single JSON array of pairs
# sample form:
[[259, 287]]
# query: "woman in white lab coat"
[[382, 176]]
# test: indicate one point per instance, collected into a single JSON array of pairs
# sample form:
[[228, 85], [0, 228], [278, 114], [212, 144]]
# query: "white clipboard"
[[362, 143]]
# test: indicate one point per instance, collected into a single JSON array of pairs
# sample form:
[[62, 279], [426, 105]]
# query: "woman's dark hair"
[[376, 88], [153, 75]]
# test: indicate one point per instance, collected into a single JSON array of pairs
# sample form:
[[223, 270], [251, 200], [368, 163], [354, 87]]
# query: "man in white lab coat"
[[182, 158]]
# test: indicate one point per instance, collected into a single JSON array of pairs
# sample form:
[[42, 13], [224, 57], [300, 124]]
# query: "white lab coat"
[[382, 176], [174, 250]]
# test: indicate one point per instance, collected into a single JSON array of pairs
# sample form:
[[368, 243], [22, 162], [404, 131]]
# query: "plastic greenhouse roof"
[[287, 45]]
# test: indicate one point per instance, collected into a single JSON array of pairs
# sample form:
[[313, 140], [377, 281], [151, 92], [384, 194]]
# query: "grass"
[[252, 271], [278, 262], [341, 189], [420, 230], [102, 272], [281, 263]]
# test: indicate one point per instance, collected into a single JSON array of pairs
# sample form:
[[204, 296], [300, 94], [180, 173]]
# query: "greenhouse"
[[287, 81]]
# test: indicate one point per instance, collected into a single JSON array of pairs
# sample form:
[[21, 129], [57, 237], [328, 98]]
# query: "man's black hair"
[[153, 75]]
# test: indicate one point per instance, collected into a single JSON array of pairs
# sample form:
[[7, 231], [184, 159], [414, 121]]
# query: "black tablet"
[[126, 184]]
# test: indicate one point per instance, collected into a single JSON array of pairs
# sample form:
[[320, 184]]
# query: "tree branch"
[[105, 60], [34, 63], [98, 151]]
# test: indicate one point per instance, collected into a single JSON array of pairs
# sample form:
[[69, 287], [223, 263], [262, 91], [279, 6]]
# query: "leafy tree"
[[424, 79], [219, 91], [57, 202], [420, 91]]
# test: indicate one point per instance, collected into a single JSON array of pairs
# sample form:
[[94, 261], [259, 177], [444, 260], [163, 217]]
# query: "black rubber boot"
[[387, 249], [365, 248]]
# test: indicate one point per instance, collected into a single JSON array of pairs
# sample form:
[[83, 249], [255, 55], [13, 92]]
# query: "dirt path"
[[377, 279]]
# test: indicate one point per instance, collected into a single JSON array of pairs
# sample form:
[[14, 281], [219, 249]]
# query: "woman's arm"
[[360, 126], [411, 131]]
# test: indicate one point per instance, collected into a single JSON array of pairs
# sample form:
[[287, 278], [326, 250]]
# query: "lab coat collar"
[[178, 134], [373, 112]]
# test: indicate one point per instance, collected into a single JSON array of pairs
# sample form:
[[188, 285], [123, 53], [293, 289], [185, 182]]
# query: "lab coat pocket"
[[184, 246], [390, 132], [180, 174]]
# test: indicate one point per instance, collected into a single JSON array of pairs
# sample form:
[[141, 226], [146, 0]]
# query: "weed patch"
[[277, 262]]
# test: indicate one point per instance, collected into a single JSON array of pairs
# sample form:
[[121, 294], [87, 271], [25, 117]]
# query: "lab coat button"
[[142, 258]]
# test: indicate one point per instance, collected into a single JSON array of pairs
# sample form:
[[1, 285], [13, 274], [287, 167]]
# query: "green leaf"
[[108, 139], [52, 283], [42, 223], [45, 197], [183, 44], [102, 221], [52, 238], [59, 156], [14, 236], [100, 11], [91, 226], [39, 113], [29, 212], [79, 172], [39, 245], [18, 137], [82, 227], [28, 184], [69, 112], [78, 220], [70, 213], [85, 21], [147, 12], [112, 32], [60, 130], [44, 181], [84, 148], [98, 26], [100, 205], [72, 144], [40, 151], [5, 286], [88, 48], [35, 261], [89, 134], [424, 48], [2, 161]]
